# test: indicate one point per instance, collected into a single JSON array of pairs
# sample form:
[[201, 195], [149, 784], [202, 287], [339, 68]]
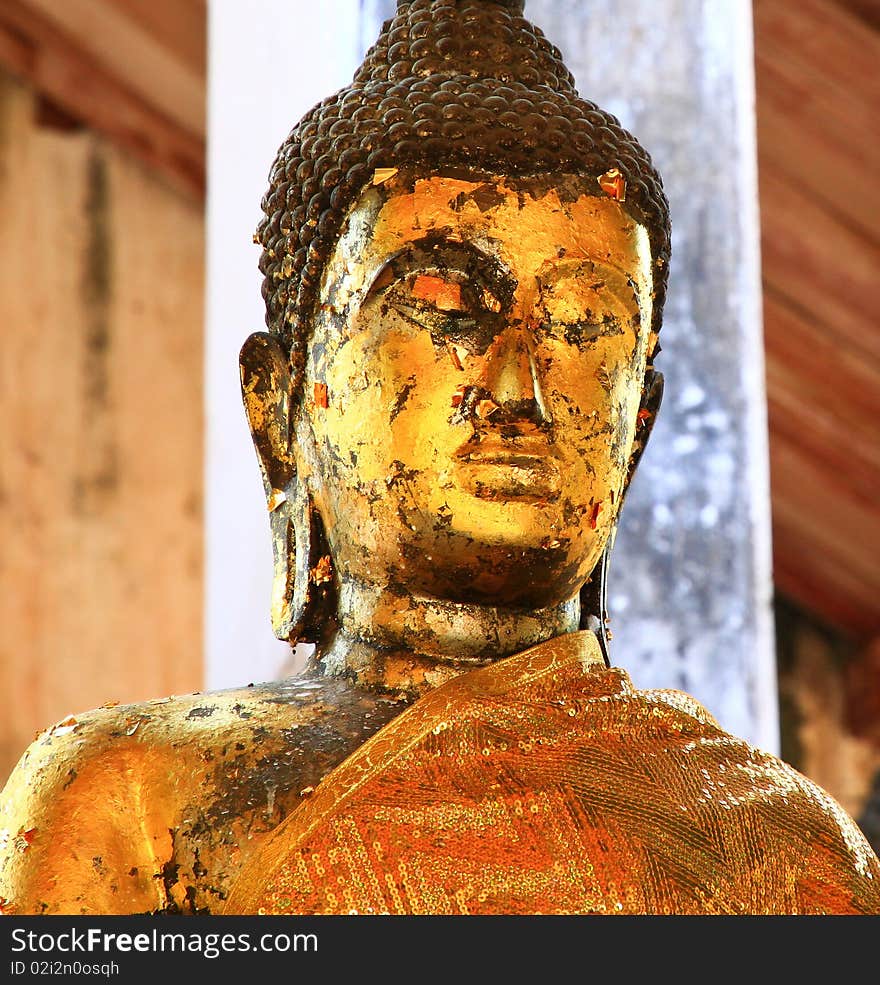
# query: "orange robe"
[[546, 783]]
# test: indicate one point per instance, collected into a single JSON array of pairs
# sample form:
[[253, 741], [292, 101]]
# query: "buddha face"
[[472, 385]]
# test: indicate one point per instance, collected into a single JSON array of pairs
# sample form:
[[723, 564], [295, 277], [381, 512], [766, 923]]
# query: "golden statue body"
[[465, 270]]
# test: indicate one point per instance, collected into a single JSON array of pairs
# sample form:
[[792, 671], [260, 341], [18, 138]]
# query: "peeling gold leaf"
[[454, 356], [64, 727], [613, 184], [277, 497], [486, 408], [445, 295], [323, 571], [381, 175]]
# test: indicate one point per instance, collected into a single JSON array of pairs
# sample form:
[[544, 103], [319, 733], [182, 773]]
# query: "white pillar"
[[269, 62]]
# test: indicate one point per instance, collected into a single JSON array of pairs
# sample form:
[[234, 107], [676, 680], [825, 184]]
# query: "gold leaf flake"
[[381, 175], [277, 497], [613, 184]]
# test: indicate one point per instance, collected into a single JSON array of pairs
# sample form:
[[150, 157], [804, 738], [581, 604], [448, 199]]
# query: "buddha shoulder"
[[150, 806]]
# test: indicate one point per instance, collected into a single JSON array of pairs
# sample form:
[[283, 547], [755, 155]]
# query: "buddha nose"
[[511, 380]]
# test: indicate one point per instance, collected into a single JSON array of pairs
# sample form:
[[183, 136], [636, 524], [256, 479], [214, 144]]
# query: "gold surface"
[[152, 807], [547, 784], [442, 477]]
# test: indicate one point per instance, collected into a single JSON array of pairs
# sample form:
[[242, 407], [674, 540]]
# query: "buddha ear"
[[303, 603], [265, 389], [594, 593], [652, 397]]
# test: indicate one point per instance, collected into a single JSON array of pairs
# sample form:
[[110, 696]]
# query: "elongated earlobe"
[[594, 594], [302, 604], [594, 601], [652, 397]]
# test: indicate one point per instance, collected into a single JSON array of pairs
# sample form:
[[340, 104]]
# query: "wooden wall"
[[818, 106], [101, 348]]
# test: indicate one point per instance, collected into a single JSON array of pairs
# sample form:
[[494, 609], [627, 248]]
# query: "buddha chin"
[[482, 539]]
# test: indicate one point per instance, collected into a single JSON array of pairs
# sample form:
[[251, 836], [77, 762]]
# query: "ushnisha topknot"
[[449, 83]]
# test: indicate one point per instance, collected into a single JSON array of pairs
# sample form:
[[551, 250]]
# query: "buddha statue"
[[465, 268]]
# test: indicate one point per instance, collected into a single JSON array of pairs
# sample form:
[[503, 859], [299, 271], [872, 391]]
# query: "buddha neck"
[[409, 644]]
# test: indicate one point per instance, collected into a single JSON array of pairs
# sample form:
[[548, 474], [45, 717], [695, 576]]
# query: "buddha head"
[[464, 272]]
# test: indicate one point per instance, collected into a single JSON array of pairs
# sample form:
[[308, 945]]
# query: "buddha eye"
[[450, 294], [592, 327], [439, 292], [430, 300], [578, 310], [449, 304]]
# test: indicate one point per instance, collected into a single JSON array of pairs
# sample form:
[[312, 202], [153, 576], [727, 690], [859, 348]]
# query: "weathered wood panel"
[[115, 65], [101, 308], [179, 25], [818, 108], [104, 32]]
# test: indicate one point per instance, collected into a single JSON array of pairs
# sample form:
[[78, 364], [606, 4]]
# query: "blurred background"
[[105, 411]]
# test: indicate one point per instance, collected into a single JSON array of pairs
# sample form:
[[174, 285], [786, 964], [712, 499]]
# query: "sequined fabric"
[[547, 784]]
